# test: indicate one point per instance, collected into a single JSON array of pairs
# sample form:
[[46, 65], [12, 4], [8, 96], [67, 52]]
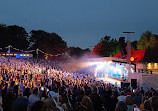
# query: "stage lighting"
[[132, 70], [100, 66], [132, 58], [109, 62]]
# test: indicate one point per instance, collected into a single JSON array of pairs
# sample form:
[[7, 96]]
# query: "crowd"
[[26, 85]]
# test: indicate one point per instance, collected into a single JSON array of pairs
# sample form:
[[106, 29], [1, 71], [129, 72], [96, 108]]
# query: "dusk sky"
[[82, 23]]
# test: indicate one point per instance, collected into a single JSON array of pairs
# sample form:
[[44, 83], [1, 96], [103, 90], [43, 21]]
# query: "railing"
[[151, 80]]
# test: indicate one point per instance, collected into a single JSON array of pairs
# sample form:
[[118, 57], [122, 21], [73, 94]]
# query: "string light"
[[33, 51], [69, 56], [50, 54]]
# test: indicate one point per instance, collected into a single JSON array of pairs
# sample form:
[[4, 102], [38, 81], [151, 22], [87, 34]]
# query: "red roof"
[[138, 55]]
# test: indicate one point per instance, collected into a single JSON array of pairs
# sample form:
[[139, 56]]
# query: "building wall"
[[152, 67], [149, 68], [141, 68]]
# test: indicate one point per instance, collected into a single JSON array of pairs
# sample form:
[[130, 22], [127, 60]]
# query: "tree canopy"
[[17, 37], [50, 43], [14, 35], [106, 47], [148, 40]]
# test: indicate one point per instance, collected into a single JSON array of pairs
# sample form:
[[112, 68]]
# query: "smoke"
[[80, 64]]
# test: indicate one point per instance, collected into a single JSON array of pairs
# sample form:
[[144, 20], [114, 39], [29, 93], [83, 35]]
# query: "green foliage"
[[107, 47], [148, 40]]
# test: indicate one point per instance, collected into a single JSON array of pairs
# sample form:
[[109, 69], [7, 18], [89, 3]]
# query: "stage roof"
[[136, 55]]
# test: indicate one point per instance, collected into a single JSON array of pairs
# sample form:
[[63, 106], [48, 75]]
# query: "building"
[[145, 61]]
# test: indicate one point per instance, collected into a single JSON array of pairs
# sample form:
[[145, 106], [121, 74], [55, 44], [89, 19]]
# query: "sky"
[[82, 23]]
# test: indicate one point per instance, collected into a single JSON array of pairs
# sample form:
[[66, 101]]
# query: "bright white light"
[[109, 62], [132, 70], [115, 70], [91, 63], [95, 63], [95, 74], [120, 71], [100, 66]]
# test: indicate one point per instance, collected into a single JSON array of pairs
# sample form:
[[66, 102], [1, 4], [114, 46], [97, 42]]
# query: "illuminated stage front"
[[111, 70]]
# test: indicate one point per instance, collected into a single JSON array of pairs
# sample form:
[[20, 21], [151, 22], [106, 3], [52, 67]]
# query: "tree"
[[106, 47], [13, 35], [50, 43], [114, 47], [148, 40]]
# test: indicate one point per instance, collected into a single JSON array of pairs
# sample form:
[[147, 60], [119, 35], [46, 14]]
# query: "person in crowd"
[[142, 91], [65, 104], [152, 93], [80, 108], [11, 88], [142, 103], [147, 106], [43, 94], [114, 100], [51, 105], [122, 97], [38, 106], [16, 91], [22, 86], [80, 96], [1, 109], [154, 103], [130, 103], [96, 99], [137, 98], [86, 101], [27, 93], [54, 95], [8, 101], [121, 106], [34, 96], [20, 104]]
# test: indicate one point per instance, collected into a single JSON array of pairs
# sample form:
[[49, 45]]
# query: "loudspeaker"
[[125, 84], [134, 83], [122, 46]]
